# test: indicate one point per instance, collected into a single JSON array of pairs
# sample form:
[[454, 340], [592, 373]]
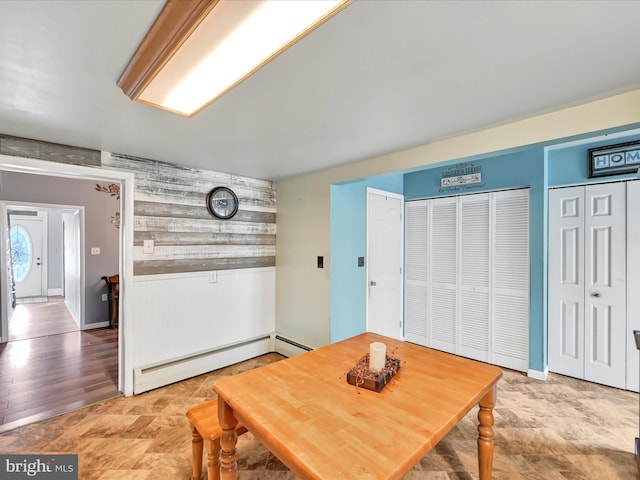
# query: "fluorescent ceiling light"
[[194, 53]]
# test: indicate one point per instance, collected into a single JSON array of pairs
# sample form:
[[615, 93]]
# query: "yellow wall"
[[302, 290]]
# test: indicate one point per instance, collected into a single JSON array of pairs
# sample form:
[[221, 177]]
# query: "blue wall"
[[569, 166], [348, 214], [538, 167]]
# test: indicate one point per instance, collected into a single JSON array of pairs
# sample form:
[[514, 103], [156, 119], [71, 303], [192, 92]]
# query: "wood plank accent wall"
[[169, 208], [52, 152]]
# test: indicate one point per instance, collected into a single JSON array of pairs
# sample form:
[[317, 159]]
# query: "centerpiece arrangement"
[[374, 369]]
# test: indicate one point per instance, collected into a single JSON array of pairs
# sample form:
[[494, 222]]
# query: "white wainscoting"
[[184, 316]]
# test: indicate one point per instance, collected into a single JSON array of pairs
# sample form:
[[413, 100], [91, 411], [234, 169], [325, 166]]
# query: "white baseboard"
[[538, 375], [55, 292]]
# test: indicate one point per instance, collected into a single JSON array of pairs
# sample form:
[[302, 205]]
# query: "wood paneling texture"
[[52, 152], [169, 208]]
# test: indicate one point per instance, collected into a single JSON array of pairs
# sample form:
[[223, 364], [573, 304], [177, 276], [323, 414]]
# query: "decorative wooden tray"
[[362, 377]]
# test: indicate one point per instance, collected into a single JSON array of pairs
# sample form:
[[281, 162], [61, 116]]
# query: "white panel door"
[[587, 283], [416, 271], [633, 282], [566, 281], [385, 219], [605, 284], [443, 301]]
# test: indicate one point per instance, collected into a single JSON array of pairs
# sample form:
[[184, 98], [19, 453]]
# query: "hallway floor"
[[31, 320], [50, 367]]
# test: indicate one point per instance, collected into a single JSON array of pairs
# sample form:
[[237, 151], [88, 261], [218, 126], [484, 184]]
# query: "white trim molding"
[[538, 375]]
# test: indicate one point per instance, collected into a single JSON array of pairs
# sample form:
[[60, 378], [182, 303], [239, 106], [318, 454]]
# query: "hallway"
[[50, 367], [31, 320]]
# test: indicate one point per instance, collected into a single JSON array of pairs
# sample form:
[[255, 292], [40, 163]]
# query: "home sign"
[[614, 159]]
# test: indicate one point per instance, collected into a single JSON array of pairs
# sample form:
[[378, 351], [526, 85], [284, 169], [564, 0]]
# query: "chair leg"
[[213, 457], [196, 448]]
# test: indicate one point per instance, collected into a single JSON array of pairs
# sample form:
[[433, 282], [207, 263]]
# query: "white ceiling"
[[379, 77]]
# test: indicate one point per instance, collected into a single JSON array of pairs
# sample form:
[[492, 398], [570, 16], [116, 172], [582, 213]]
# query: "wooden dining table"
[[321, 427]]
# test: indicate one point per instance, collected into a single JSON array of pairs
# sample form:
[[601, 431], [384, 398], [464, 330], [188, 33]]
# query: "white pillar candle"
[[377, 356]]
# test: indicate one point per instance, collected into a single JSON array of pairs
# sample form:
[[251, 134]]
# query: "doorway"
[[28, 257], [385, 230], [125, 244], [44, 271]]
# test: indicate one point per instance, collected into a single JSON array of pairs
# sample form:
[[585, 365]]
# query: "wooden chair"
[[113, 285], [205, 425]]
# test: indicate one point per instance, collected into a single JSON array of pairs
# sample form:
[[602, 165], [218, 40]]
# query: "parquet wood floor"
[[44, 372], [561, 429]]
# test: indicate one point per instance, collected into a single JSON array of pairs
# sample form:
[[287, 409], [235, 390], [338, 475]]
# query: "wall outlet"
[[104, 297], [147, 246], [95, 250]]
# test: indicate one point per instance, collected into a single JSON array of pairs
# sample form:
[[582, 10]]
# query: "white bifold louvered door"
[[416, 271], [444, 275], [467, 276], [511, 280]]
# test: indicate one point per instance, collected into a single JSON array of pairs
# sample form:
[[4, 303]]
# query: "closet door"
[[474, 274], [587, 283], [605, 284], [566, 281], [467, 276], [416, 271], [511, 280], [633, 282], [443, 302]]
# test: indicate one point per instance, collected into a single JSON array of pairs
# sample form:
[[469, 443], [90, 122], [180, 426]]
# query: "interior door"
[[443, 303], [633, 283], [474, 275], [587, 282], [27, 255], [417, 261], [566, 281], [384, 263], [605, 284]]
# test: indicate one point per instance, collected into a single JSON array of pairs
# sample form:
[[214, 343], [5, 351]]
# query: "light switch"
[[148, 246], [95, 250]]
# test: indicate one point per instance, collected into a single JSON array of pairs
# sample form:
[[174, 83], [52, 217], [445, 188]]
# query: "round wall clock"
[[222, 203]]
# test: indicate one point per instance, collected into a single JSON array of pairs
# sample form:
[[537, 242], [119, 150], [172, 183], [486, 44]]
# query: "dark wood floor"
[[51, 373]]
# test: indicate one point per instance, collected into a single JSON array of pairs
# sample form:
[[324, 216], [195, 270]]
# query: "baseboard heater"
[[160, 374], [289, 348]]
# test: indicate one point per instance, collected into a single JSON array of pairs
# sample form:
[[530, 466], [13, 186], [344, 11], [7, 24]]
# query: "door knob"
[[372, 283], [595, 294]]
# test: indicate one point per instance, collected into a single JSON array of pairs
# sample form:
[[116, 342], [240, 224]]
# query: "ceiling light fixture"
[[194, 53]]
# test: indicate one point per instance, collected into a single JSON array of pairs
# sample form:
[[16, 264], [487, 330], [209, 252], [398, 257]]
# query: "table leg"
[[485, 431], [228, 440]]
